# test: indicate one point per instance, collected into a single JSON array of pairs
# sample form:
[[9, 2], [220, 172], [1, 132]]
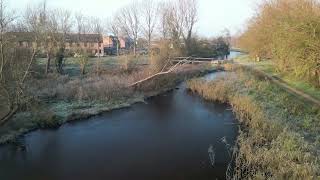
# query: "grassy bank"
[[268, 67], [279, 136], [57, 99]]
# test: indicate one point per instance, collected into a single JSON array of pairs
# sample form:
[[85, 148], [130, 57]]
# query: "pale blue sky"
[[214, 15]]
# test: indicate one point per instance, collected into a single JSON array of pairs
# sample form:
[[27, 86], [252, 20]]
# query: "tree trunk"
[[83, 70], [135, 46], [117, 48], [48, 63], [29, 66], [162, 72], [5, 118], [149, 42]]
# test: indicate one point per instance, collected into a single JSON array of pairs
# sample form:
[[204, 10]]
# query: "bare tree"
[[79, 20], [83, 24], [164, 10], [188, 10], [84, 27], [60, 25], [64, 18], [96, 24], [6, 18], [174, 22], [36, 22], [128, 18], [18, 26], [178, 20], [15, 65], [150, 11], [115, 28], [42, 24]]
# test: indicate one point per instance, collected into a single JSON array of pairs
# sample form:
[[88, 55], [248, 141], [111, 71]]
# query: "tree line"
[[288, 32], [171, 23]]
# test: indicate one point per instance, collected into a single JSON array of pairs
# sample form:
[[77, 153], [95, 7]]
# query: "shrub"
[[44, 118], [287, 31], [160, 56]]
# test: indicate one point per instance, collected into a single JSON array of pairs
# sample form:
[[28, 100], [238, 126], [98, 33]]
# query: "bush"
[[44, 118], [160, 56]]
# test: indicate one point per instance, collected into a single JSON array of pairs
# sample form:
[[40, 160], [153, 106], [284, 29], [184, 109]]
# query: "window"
[[20, 43], [92, 44], [85, 44]]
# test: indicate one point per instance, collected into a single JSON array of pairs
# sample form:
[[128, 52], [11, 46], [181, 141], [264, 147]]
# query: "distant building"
[[112, 41], [93, 43], [110, 44]]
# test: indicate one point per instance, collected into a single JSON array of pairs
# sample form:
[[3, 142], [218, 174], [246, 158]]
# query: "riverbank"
[[279, 136], [268, 67], [59, 108]]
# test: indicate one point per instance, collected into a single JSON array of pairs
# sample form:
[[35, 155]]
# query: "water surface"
[[167, 137]]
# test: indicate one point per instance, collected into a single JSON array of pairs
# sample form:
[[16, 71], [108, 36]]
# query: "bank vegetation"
[[288, 32], [279, 134]]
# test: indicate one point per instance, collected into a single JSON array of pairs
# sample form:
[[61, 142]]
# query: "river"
[[168, 137]]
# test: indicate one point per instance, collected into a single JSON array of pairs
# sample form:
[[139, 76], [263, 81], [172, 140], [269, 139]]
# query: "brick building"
[[92, 43]]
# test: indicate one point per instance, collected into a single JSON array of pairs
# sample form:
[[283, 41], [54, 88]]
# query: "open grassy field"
[[72, 66]]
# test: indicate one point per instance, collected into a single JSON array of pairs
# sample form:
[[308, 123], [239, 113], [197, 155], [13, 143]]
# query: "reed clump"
[[273, 142]]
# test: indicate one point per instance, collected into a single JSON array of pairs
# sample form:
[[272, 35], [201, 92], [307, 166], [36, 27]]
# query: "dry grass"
[[274, 142], [91, 87], [105, 86]]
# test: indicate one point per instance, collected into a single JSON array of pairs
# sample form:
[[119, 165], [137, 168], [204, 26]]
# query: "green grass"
[[268, 67]]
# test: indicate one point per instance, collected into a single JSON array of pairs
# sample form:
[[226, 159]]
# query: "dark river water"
[[167, 137]]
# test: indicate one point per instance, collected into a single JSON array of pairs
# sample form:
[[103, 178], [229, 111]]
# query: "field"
[[72, 66]]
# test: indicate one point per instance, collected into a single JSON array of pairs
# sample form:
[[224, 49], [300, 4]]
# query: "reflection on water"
[[234, 54], [211, 155], [167, 138], [213, 76]]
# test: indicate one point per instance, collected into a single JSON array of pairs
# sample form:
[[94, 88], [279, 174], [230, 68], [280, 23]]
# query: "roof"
[[84, 38], [29, 36], [22, 36]]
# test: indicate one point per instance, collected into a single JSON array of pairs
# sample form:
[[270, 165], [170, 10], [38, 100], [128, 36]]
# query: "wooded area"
[[288, 32]]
